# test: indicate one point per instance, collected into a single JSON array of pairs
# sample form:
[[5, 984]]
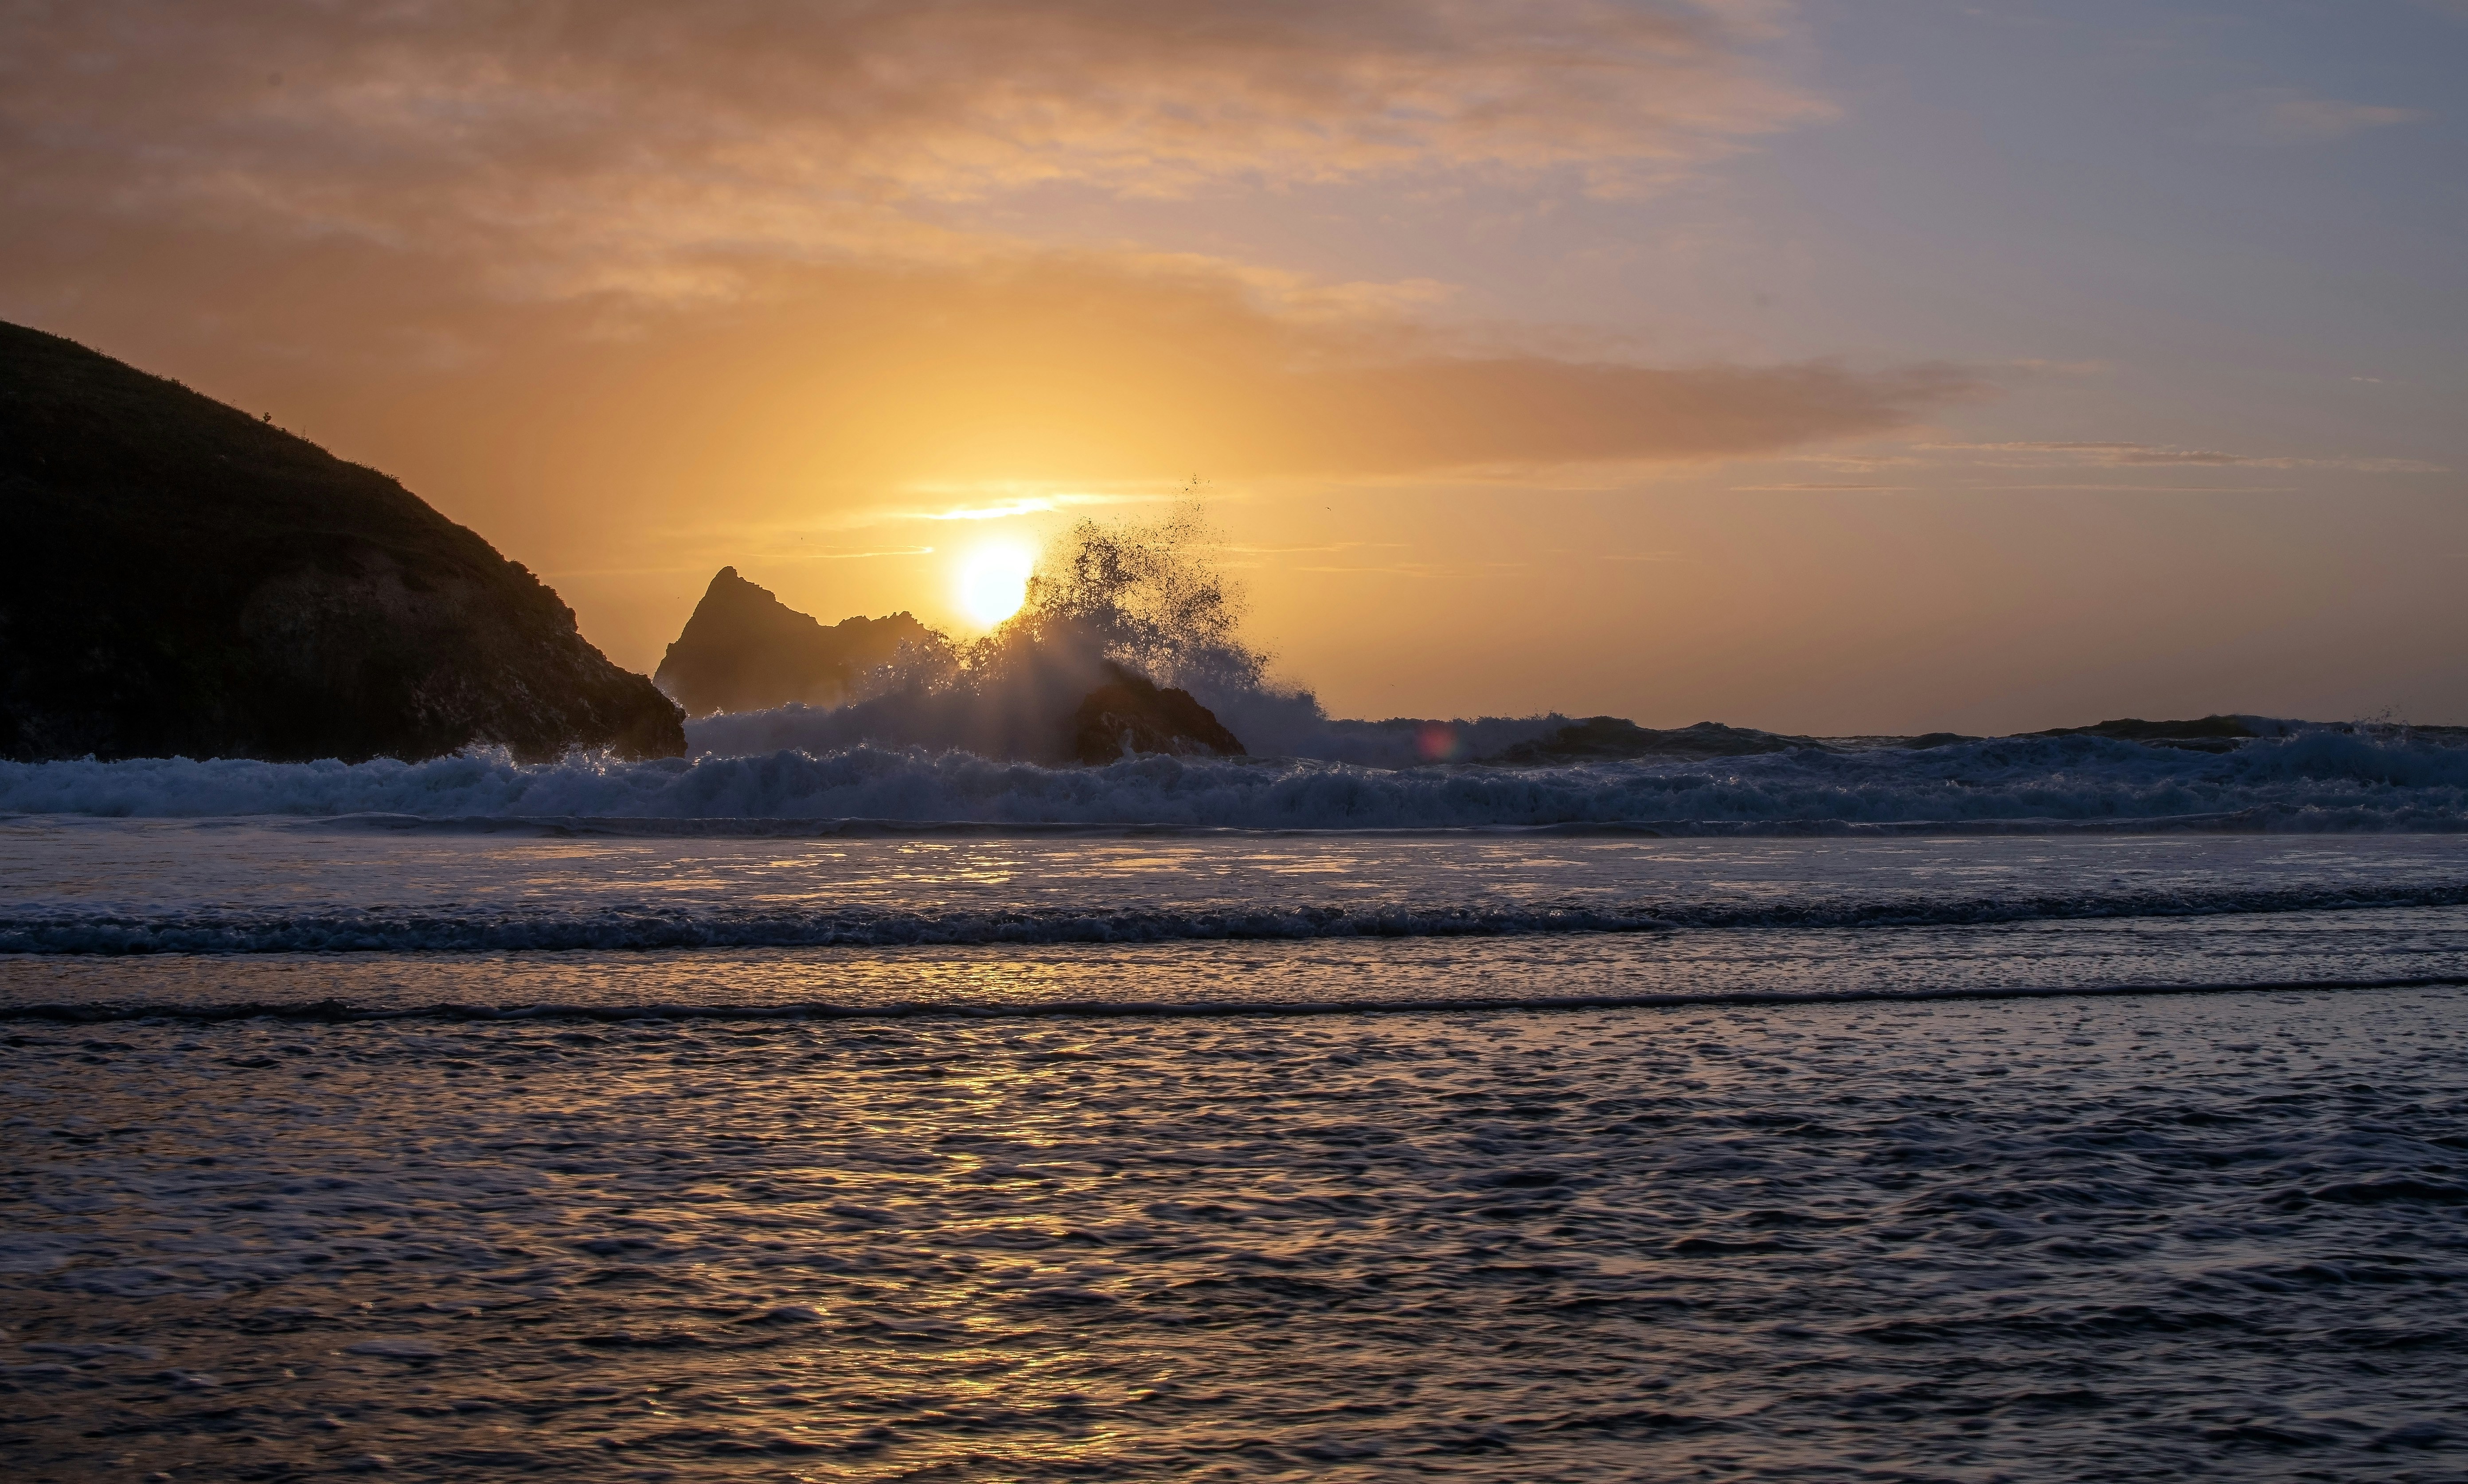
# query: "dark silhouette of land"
[[1131, 714], [1606, 738], [744, 650], [179, 578]]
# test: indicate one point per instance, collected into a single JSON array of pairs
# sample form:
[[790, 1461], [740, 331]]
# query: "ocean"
[[2034, 1108]]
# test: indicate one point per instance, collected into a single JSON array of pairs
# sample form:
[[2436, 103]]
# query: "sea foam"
[[2315, 779]]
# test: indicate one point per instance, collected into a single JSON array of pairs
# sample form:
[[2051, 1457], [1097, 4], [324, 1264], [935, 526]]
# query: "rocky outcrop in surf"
[[744, 650], [1608, 739], [1131, 714], [1123, 629], [2209, 734], [1602, 738], [181, 579], [1046, 698]]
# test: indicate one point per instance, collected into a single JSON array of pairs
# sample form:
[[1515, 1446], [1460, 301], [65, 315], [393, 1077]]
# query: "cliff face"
[[744, 650], [179, 578]]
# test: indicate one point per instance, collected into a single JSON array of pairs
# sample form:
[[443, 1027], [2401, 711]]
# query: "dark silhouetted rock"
[[744, 650], [1608, 739], [2210, 734], [1130, 712], [179, 578]]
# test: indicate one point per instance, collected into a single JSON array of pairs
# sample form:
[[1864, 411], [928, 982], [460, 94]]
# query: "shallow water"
[[253, 885], [2127, 1237], [1228, 1156]]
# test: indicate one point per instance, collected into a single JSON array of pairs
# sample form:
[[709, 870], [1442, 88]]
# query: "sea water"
[[892, 1116]]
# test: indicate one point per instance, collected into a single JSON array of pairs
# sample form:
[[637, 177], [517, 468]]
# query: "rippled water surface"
[[2138, 1238], [1229, 1156]]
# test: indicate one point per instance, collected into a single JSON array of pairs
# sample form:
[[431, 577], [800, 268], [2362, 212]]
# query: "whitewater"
[[2049, 1107], [2313, 779]]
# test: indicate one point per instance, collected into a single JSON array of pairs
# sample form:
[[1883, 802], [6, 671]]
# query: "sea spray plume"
[[1149, 597], [1153, 597], [1107, 599]]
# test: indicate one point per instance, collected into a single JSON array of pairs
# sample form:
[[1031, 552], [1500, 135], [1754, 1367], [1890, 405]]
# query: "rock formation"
[[744, 650], [1604, 739], [179, 578], [1130, 712], [2210, 734]]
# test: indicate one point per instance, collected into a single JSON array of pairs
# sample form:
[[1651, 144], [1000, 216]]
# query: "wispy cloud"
[[2130, 455], [1008, 511], [2286, 116], [1019, 506], [852, 556], [1329, 546], [2062, 368], [2119, 489], [1784, 489], [1419, 569]]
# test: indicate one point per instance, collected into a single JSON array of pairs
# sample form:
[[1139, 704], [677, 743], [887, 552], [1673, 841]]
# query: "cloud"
[[1011, 509], [769, 229], [1438, 412], [844, 386], [2062, 368], [2285, 116], [2130, 455], [644, 147]]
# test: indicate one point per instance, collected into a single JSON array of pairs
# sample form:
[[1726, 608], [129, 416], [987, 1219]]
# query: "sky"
[[1839, 366]]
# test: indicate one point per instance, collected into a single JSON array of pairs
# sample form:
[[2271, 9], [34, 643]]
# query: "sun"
[[993, 582]]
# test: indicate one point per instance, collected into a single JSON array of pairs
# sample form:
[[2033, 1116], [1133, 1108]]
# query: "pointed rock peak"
[[744, 650], [730, 591]]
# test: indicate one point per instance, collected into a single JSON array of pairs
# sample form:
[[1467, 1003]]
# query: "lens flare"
[[993, 582]]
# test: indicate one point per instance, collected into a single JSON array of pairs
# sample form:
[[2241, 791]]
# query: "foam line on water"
[[2248, 821], [518, 929], [341, 1012]]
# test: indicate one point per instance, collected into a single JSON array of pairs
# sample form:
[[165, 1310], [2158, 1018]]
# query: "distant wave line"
[[2318, 781], [644, 928], [343, 1012], [2259, 820]]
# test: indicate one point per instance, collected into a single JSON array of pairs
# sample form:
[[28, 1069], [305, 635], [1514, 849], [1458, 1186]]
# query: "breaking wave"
[[2313, 780]]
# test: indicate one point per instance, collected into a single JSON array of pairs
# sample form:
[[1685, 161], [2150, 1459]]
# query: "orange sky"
[[1679, 360]]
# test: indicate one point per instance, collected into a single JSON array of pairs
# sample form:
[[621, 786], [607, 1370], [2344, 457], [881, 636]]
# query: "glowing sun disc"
[[994, 583]]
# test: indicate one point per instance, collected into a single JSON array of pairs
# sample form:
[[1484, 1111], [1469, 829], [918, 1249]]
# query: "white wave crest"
[[2315, 779]]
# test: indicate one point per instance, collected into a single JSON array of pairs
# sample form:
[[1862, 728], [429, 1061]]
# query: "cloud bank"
[[2133, 455], [796, 226], [589, 144]]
